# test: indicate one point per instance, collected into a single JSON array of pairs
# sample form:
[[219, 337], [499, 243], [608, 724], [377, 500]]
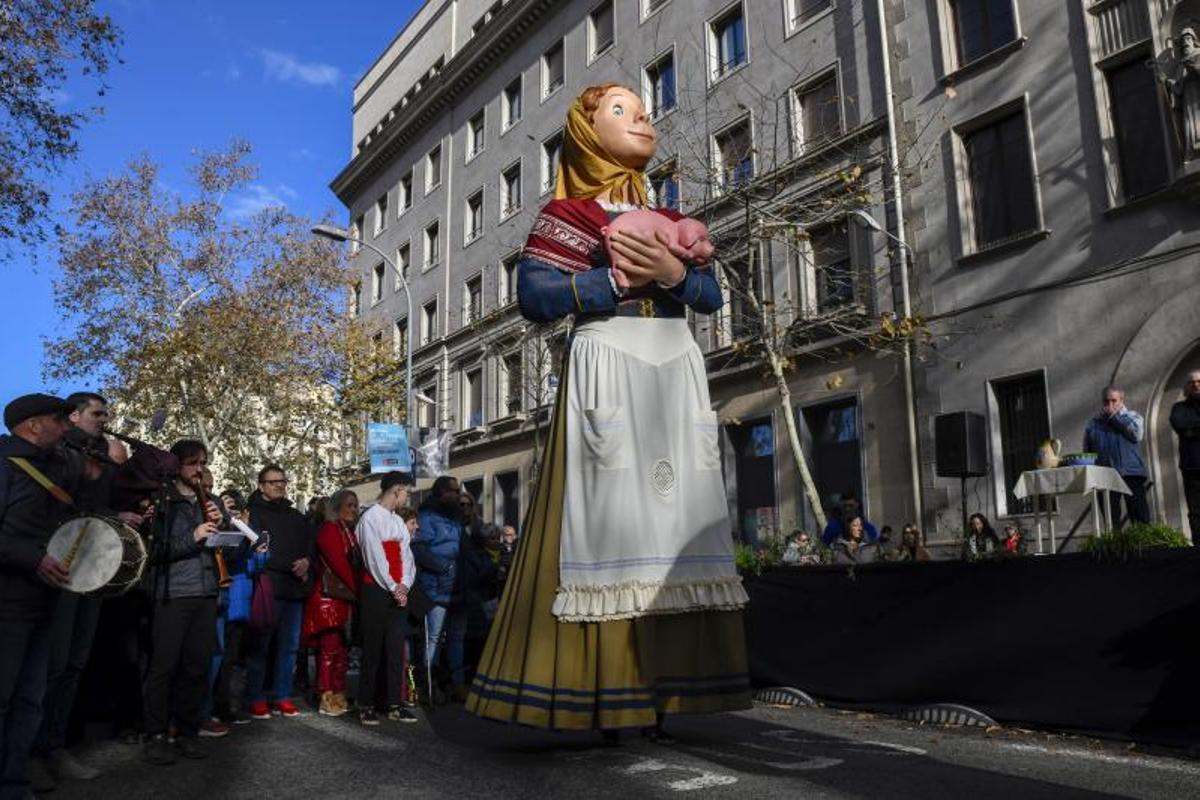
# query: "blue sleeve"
[[831, 533], [699, 290], [546, 293], [1087, 439]]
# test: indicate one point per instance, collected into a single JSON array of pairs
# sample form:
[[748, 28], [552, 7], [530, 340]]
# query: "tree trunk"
[[806, 479]]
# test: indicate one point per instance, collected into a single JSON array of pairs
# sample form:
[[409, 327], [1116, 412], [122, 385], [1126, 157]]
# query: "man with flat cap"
[[32, 503]]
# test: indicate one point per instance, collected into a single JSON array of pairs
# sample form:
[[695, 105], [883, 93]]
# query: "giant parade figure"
[[623, 604]]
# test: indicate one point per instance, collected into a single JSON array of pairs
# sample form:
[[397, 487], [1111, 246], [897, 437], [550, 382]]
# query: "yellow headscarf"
[[586, 169]]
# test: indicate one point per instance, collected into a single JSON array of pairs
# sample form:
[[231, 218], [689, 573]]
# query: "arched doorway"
[[1163, 445]]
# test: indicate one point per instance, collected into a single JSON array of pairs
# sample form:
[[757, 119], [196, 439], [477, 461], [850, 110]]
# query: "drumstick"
[[73, 550]]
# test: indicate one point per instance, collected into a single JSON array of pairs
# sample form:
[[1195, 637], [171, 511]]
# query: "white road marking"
[[798, 764], [352, 733], [707, 780], [1153, 762], [903, 748]]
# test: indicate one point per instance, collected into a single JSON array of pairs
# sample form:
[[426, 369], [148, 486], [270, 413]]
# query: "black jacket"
[[90, 495], [292, 537], [28, 517], [183, 567], [1185, 419]]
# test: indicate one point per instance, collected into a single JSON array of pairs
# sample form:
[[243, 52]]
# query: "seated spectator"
[[1014, 540], [980, 539], [849, 508], [911, 548], [854, 547], [800, 550]]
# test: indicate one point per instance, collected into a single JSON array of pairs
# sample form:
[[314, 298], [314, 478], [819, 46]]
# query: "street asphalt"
[[762, 753]]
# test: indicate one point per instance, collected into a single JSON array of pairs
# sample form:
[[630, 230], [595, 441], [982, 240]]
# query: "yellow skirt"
[[538, 671]]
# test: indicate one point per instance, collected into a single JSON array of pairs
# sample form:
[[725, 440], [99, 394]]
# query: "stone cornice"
[[456, 78]]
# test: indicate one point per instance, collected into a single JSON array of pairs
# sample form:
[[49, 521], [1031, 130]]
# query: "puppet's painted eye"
[[618, 111]]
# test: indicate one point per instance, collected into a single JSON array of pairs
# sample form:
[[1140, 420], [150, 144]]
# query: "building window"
[[513, 390], [378, 275], [433, 169], [659, 82], [381, 209], [405, 199], [400, 337], [475, 140], [753, 444], [1137, 127], [551, 154], [473, 300], [727, 42], [664, 186], [743, 279], [600, 29], [833, 274], [1023, 418], [433, 245], [474, 217], [473, 398], [651, 6], [801, 12], [507, 493], [357, 231], [552, 70], [429, 322], [356, 300], [511, 105], [999, 166], [403, 259], [426, 411], [831, 438], [734, 155], [981, 26], [508, 279], [818, 113], [510, 190]]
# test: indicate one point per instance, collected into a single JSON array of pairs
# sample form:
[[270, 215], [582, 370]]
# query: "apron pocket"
[[604, 433], [708, 434]]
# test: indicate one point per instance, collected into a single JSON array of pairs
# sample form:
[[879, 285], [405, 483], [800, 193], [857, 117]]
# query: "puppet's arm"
[[699, 290], [546, 293]]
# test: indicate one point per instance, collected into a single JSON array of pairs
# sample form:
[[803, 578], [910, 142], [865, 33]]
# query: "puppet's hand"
[[645, 258]]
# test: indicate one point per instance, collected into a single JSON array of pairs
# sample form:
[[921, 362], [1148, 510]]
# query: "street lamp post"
[[910, 392], [342, 235]]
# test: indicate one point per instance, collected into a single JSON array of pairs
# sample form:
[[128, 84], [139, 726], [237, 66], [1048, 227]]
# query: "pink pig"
[[687, 239]]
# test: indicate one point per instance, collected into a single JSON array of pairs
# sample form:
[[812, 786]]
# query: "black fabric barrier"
[[1057, 642]]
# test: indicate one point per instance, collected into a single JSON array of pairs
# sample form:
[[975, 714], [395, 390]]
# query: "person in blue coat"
[[436, 548], [1115, 436]]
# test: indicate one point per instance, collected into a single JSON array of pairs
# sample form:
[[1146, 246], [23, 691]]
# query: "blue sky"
[[196, 74]]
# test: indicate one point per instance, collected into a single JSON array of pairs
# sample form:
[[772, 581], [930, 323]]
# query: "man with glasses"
[[1114, 435], [293, 544]]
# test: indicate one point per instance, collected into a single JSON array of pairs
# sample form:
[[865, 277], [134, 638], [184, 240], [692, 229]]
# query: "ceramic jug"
[[1048, 455]]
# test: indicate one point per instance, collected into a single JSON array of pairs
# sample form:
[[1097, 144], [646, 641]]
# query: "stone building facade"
[[1069, 270]]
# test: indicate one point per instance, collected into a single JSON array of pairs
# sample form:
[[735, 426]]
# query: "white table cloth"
[[1072, 480]]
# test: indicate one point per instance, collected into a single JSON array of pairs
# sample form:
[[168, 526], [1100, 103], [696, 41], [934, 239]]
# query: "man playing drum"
[[32, 503]]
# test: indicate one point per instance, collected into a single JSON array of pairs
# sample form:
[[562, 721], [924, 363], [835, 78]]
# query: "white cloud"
[[259, 197], [302, 154], [287, 68]]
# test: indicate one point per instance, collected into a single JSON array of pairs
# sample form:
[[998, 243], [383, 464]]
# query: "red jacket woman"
[[326, 617]]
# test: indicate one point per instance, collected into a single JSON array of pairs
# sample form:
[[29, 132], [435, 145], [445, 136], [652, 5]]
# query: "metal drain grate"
[[784, 696], [949, 714]]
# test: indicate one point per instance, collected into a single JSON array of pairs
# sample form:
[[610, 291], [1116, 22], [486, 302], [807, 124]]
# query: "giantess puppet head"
[[607, 142]]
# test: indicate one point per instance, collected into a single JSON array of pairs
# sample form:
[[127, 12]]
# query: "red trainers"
[[287, 708], [259, 710]]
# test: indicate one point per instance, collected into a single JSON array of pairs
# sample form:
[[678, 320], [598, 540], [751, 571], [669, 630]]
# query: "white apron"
[[645, 525]]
